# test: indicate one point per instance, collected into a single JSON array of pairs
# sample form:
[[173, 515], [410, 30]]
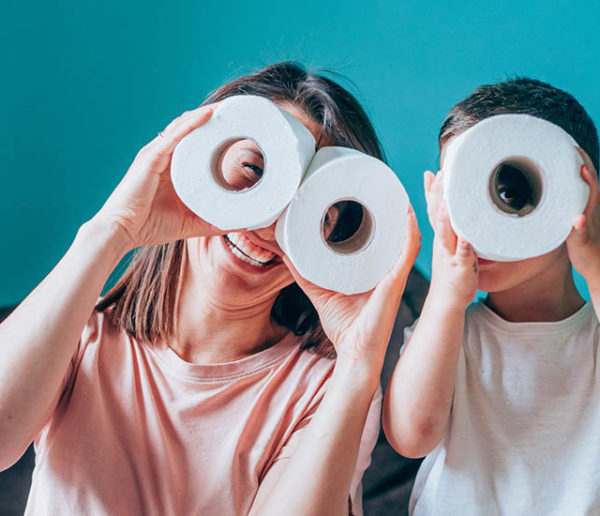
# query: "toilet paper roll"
[[547, 159], [358, 263], [287, 147]]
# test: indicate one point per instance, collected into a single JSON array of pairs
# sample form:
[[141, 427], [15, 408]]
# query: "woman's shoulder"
[[100, 325], [100, 332]]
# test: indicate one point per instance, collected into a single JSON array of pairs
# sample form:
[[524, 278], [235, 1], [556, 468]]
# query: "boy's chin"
[[492, 281], [537, 271]]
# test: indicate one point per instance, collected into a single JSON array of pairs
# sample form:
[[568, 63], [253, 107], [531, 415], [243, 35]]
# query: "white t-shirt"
[[523, 437]]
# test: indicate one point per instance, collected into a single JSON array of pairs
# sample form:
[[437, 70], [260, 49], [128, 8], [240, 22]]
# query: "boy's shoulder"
[[479, 317]]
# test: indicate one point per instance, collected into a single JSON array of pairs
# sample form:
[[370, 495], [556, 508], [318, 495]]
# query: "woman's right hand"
[[144, 206], [39, 339]]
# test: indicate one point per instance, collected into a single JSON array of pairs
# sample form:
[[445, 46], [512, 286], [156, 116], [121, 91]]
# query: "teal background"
[[85, 84]]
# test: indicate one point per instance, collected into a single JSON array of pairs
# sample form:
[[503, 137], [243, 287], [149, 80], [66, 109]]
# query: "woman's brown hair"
[[144, 298]]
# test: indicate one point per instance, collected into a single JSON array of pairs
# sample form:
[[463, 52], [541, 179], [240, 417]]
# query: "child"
[[504, 396]]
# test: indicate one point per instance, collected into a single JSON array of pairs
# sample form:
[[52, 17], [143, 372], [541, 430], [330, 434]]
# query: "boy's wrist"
[[445, 297], [445, 307]]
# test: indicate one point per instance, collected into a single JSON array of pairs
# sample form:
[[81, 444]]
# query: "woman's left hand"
[[360, 325]]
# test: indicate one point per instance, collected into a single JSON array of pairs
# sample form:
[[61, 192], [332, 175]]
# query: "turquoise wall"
[[85, 84]]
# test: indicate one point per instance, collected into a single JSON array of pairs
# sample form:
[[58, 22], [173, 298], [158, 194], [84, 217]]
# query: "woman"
[[193, 388]]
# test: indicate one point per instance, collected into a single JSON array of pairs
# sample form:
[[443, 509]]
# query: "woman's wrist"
[[359, 376], [108, 236]]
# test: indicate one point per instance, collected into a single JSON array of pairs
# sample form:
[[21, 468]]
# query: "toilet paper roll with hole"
[[512, 185], [358, 263], [287, 147]]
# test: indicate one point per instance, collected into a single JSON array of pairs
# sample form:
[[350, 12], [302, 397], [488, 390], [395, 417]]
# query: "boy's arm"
[[583, 243], [419, 395]]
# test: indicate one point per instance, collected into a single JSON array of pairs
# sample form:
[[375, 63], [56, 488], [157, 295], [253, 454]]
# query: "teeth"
[[247, 251]]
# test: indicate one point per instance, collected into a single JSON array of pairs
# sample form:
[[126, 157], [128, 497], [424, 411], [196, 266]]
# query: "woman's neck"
[[210, 329]]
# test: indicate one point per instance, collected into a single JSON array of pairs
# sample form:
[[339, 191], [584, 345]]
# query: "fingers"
[[465, 253], [428, 179], [580, 235], [443, 230], [434, 194], [168, 139], [157, 153], [590, 175], [410, 251], [389, 291], [579, 222], [587, 161], [592, 181]]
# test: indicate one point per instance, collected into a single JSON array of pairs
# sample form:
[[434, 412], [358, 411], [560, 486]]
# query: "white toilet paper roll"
[[358, 263], [287, 147], [549, 163]]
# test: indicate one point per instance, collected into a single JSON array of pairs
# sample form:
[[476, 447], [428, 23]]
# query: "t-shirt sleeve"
[[90, 332], [367, 443]]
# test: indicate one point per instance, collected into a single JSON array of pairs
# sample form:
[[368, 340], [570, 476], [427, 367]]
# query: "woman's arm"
[[317, 478], [40, 337], [419, 395]]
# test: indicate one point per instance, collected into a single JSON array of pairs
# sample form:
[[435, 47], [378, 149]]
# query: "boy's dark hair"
[[524, 96]]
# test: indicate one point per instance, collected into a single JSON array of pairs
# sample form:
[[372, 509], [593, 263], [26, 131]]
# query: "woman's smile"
[[248, 252]]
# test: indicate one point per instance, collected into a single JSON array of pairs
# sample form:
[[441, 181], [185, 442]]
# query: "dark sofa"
[[386, 484]]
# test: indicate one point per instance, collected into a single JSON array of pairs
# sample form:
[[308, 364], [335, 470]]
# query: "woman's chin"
[[236, 274]]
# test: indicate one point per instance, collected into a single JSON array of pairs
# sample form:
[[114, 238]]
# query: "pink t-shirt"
[[138, 430]]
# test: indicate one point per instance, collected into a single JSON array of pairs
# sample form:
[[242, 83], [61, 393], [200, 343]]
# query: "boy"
[[504, 396]]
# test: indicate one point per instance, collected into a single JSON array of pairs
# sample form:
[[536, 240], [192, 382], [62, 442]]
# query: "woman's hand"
[[41, 335], [360, 325], [317, 478], [144, 206]]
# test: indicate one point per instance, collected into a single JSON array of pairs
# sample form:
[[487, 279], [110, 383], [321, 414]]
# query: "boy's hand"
[[454, 269], [583, 243]]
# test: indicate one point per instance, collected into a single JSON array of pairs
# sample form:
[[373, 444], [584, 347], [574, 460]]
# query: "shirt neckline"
[[575, 319], [224, 371]]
